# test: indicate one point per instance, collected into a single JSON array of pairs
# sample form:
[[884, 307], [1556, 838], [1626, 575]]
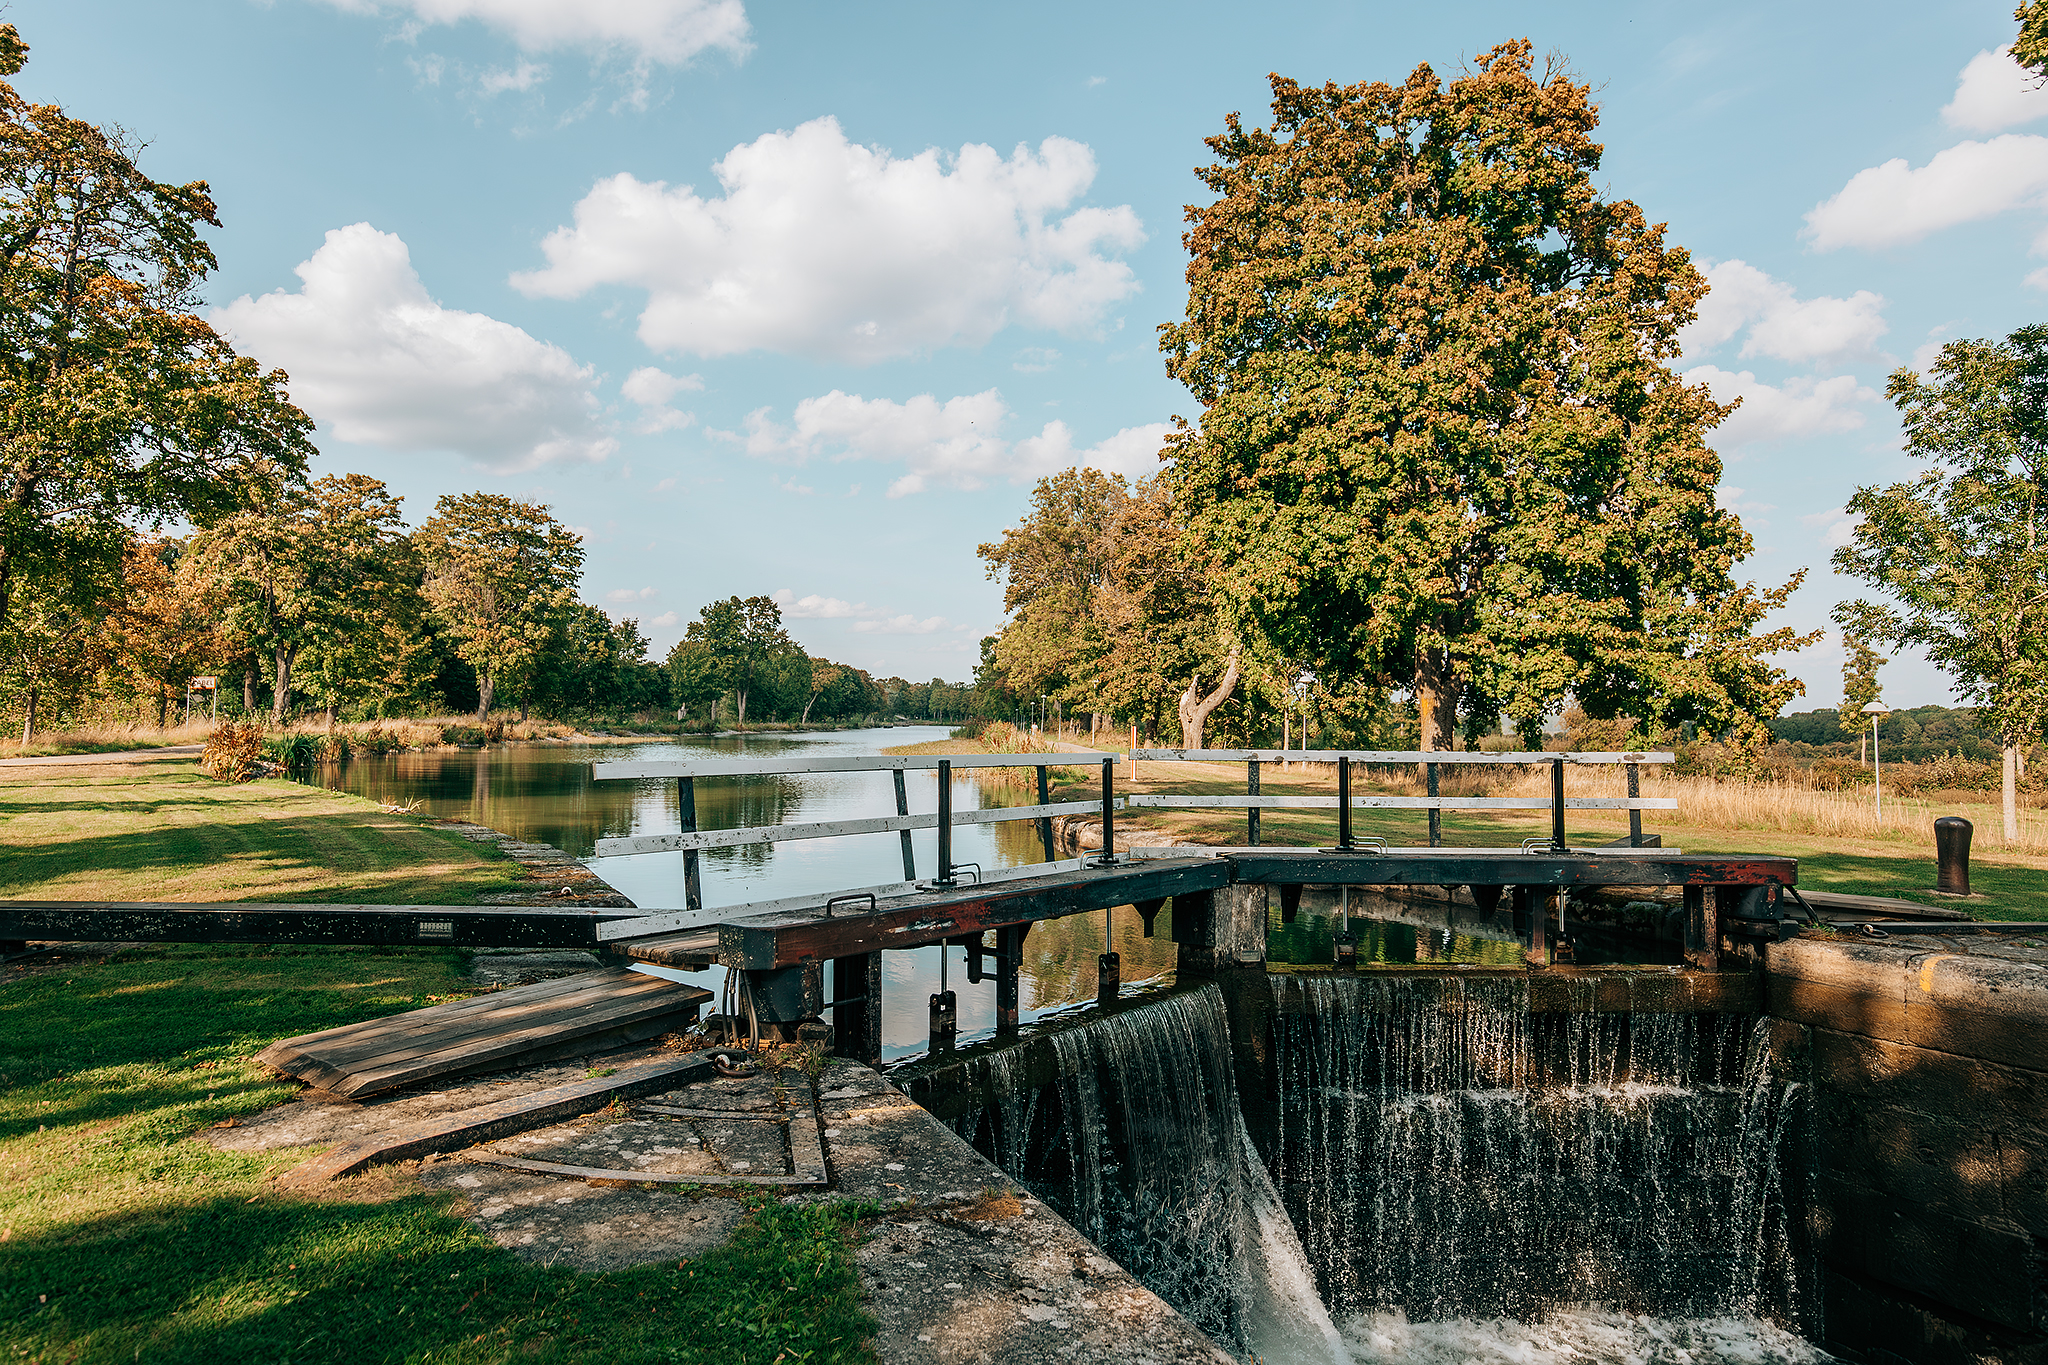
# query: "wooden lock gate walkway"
[[778, 950]]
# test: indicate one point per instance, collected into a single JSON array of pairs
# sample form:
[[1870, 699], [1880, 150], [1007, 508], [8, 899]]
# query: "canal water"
[[544, 793]]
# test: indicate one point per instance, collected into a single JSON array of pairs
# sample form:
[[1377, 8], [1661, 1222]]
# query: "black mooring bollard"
[[1952, 854]]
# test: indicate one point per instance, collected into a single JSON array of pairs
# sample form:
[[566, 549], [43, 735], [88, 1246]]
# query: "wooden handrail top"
[[825, 829], [863, 763], [1406, 802]]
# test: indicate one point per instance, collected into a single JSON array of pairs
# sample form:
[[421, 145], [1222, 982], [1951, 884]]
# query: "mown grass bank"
[[161, 829], [124, 1238]]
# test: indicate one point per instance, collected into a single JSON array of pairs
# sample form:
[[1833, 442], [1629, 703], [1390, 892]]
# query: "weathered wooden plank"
[[532, 1045], [1390, 756], [596, 1007], [1406, 802], [827, 829], [785, 940], [447, 1132], [865, 763], [384, 1054], [690, 951], [456, 1019], [254, 922]]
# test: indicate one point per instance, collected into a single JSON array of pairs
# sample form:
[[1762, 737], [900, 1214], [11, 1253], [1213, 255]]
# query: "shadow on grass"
[[280, 1280]]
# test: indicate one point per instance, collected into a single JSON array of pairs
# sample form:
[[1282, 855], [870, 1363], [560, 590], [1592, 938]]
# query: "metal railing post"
[[903, 808], [1436, 815], [1045, 821], [1108, 812], [693, 879], [945, 877], [1635, 817], [1557, 804], [1251, 815], [1343, 802]]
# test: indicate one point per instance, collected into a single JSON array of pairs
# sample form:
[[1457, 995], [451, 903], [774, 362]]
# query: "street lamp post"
[[1877, 711]]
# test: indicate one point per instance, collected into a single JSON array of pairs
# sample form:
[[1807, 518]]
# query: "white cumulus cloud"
[[812, 607], [954, 444], [822, 248], [378, 361], [1993, 93], [904, 625], [651, 389], [1802, 406], [666, 619], [1893, 204], [1782, 325], [623, 595], [1835, 526], [670, 32]]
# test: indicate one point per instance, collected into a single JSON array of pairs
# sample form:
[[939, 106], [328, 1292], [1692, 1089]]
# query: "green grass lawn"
[[162, 830], [122, 1239]]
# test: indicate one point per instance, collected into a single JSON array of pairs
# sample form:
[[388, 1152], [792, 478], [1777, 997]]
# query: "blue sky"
[[800, 299]]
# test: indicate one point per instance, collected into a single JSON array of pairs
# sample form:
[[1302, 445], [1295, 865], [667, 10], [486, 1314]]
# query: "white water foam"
[[1575, 1336]]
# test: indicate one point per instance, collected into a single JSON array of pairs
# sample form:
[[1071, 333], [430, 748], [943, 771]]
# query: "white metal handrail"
[[1407, 802], [1394, 756], [825, 829], [862, 763]]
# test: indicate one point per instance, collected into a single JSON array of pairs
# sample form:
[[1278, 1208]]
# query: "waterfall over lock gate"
[[1433, 1152]]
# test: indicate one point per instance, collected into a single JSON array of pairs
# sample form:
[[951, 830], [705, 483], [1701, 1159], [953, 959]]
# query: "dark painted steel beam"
[[367, 925], [1510, 869]]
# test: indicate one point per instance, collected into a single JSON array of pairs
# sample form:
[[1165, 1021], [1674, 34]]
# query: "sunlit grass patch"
[[121, 1238]]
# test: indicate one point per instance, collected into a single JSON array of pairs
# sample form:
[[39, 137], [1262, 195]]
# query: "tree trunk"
[[739, 699], [1195, 708], [28, 726], [330, 717], [522, 710], [1863, 748], [2010, 795], [163, 702], [484, 689], [1436, 703], [286, 656], [806, 720]]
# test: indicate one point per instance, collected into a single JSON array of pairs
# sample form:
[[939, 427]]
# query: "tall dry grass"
[[1722, 803], [104, 739]]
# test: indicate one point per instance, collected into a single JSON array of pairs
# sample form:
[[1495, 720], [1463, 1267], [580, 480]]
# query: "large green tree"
[[118, 403], [743, 642], [1440, 446], [1859, 687], [327, 569], [501, 575], [1112, 608], [1961, 551]]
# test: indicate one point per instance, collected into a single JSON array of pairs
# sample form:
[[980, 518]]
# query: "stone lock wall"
[[1928, 1059]]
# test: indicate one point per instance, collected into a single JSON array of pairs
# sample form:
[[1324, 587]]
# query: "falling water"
[[1447, 1155], [1449, 1177]]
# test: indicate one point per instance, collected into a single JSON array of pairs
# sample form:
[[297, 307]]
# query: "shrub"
[[232, 751], [292, 749]]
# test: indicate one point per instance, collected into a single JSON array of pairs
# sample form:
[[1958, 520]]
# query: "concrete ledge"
[[1987, 1007]]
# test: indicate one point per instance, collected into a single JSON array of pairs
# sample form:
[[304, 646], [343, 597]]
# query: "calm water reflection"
[[544, 793]]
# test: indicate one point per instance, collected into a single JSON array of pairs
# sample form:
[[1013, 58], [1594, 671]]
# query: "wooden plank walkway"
[[588, 1012]]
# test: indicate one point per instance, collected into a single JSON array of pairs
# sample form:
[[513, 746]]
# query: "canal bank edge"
[[550, 876]]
